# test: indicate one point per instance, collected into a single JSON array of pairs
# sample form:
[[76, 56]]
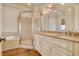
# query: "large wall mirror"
[[62, 18]]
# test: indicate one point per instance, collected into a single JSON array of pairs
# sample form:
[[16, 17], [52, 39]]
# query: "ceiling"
[[33, 5], [38, 7], [24, 6]]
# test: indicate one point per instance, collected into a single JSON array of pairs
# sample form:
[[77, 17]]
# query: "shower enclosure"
[[25, 29]]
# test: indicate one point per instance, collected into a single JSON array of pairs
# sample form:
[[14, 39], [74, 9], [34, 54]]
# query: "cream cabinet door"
[[0, 48], [57, 51], [45, 48], [76, 49], [68, 45], [36, 41]]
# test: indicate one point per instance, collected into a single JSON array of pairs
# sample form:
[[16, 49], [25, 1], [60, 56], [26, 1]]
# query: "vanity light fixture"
[[44, 12], [49, 10]]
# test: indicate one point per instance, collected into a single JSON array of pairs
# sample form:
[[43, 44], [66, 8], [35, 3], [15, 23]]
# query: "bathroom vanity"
[[63, 19], [51, 44]]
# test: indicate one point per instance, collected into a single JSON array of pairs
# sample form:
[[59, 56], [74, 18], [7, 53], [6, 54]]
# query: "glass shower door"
[[26, 39]]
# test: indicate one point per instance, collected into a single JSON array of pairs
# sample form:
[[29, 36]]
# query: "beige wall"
[[10, 24], [0, 17], [10, 18], [0, 28]]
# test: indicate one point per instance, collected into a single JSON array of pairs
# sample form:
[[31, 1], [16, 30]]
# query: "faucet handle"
[[2, 39]]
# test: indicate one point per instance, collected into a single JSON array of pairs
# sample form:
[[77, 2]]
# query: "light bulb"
[[62, 3], [50, 5], [44, 12]]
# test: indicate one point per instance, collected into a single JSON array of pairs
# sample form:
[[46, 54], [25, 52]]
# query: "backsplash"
[[64, 33]]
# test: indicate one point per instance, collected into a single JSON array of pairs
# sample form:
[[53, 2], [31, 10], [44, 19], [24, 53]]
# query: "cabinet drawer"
[[56, 51], [68, 45]]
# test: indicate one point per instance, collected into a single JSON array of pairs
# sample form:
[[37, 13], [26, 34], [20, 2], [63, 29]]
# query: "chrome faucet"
[[68, 33], [2, 39]]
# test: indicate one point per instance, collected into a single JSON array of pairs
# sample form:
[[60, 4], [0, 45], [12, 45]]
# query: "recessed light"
[[62, 3], [29, 3]]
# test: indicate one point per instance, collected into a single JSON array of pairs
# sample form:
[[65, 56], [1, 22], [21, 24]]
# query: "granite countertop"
[[60, 36]]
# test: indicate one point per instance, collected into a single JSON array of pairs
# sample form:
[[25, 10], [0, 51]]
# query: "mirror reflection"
[[61, 18]]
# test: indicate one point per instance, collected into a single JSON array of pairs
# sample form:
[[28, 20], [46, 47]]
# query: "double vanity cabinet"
[[53, 45]]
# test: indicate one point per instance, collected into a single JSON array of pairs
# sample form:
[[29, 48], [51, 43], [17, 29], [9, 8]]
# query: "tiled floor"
[[21, 52]]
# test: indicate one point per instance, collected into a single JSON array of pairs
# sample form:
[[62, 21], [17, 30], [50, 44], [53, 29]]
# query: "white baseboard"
[[26, 46]]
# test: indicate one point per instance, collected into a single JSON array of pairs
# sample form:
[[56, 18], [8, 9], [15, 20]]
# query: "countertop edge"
[[58, 37]]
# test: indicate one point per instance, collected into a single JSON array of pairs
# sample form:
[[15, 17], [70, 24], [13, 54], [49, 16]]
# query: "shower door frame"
[[19, 24]]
